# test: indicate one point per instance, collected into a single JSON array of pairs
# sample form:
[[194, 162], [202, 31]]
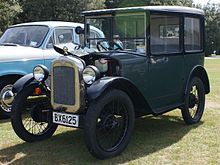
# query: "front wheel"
[[31, 116], [194, 101], [5, 91], [109, 124]]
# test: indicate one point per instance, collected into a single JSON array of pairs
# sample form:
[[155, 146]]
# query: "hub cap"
[[6, 98]]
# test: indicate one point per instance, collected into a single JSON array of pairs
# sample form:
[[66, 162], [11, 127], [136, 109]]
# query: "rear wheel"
[[109, 124], [194, 101], [31, 116]]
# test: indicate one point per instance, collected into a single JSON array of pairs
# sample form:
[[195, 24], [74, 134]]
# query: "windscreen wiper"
[[8, 44]]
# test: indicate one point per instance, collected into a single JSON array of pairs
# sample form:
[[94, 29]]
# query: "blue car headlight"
[[40, 73]]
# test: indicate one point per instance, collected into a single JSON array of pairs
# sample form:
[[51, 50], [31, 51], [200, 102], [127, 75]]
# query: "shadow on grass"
[[5, 120], [150, 135]]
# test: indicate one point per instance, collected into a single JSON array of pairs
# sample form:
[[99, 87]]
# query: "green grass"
[[213, 68], [156, 140]]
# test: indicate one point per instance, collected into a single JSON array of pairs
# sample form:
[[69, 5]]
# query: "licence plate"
[[66, 119]]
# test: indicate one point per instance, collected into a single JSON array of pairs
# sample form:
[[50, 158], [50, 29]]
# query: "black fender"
[[98, 88], [199, 71], [23, 82]]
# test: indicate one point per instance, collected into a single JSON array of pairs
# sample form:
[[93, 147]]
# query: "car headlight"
[[90, 74], [40, 72]]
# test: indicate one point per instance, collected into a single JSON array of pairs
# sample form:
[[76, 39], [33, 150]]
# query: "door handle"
[[166, 59], [158, 60]]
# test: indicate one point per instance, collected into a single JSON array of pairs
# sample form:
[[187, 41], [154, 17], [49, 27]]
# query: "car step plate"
[[66, 119]]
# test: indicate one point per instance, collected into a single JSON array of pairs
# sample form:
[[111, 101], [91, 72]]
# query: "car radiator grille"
[[64, 85]]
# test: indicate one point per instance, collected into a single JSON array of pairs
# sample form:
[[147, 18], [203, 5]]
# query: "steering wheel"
[[100, 46], [77, 47], [111, 45]]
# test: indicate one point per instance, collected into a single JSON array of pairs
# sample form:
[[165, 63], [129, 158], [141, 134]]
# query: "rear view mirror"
[[79, 30]]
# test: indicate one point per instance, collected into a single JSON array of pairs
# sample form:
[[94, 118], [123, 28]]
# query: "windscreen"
[[31, 36], [123, 31]]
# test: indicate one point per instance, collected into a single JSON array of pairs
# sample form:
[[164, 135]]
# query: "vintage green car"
[[150, 62]]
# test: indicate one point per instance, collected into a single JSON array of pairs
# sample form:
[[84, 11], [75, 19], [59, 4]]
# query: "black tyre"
[[31, 116], [5, 86], [109, 124], [194, 101]]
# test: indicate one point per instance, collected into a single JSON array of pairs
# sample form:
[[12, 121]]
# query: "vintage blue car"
[[23, 46]]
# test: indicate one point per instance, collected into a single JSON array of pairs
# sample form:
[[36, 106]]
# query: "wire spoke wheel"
[[109, 124], [194, 102], [112, 125], [31, 116]]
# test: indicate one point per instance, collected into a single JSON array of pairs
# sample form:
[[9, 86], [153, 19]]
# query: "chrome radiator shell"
[[66, 84]]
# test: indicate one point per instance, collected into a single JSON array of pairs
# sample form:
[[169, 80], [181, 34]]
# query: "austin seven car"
[[150, 61]]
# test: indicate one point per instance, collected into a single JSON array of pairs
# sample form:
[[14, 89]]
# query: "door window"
[[192, 34], [165, 34], [129, 32], [64, 36]]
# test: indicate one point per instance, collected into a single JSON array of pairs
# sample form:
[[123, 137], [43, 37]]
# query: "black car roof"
[[172, 9]]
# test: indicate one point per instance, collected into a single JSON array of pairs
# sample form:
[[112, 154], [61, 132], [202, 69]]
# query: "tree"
[[212, 28], [129, 3], [94, 4], [9, 10], [65, 10]]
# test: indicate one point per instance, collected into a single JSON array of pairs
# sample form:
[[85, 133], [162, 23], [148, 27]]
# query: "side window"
[[192, 34], [129, 32], [165, 34], [63, 36]]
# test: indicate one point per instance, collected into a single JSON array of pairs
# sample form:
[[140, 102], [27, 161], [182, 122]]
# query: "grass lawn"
[[156, 140]]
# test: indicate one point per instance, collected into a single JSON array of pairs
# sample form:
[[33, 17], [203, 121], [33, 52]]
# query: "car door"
[[166, 62]]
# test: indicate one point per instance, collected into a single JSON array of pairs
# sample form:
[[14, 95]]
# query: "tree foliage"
[[212, 30], [94, 4], [65, 10], [129, 3], [16, 11], [9, 10]]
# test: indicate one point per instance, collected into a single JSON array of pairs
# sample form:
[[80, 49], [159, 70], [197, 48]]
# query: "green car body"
[[162, 78], [150, 61]]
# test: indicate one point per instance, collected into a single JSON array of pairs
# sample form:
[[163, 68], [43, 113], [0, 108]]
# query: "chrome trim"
[[6, 98]]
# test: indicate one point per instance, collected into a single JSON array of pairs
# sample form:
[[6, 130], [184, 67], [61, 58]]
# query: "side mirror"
[[79, 30]]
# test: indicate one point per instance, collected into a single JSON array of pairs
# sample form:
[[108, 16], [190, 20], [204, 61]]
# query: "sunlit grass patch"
[[157, 140]]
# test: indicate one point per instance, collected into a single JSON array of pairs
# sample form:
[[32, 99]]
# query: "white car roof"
[[50, 24], [53, 24]]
